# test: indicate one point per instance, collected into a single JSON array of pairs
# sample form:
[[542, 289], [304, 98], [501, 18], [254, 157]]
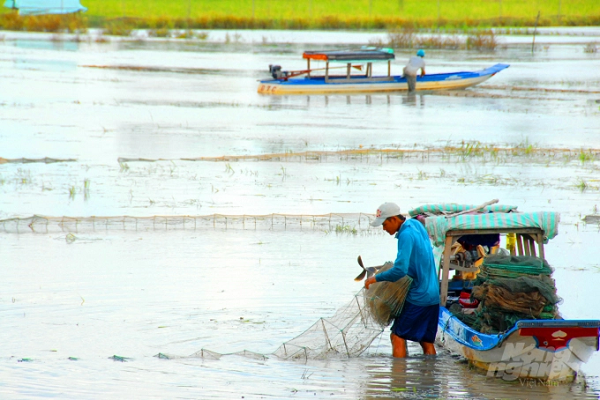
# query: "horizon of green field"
[[336, 14]]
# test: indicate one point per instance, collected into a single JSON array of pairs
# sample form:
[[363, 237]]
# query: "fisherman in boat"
[[415, 63], [418, 320]]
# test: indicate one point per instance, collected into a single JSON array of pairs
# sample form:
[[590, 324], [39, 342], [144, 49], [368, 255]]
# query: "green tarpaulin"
[[437, 227]]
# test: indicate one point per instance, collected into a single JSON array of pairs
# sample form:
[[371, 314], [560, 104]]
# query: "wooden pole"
[[559, 16], [520, 245], [481, 207], [189, 13], [534, 31], [445, 271], [532, 243]]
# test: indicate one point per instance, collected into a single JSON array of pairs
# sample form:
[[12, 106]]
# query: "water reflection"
[[413, 99], [446, 376], [59, 43]]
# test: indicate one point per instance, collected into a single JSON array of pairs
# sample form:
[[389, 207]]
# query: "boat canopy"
[[350, 56], [451, 208], [496, 217]]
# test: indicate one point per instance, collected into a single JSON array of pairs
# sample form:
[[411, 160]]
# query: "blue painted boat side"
[[494, 69], [465, 335], [469, 337], [453, 76]]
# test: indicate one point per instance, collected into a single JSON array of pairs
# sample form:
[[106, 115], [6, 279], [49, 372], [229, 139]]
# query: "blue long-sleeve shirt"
[[415, 259]]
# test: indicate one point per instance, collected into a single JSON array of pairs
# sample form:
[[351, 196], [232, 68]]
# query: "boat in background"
[[307, 82]]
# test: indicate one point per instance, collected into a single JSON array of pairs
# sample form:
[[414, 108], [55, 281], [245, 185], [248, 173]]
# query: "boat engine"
[[464, 258], [276, 72]]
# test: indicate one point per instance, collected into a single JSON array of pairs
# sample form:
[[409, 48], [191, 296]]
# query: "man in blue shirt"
[[419, 317]]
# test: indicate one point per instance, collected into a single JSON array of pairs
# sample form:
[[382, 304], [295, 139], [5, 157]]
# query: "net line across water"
[[332, 222], [346, 334]]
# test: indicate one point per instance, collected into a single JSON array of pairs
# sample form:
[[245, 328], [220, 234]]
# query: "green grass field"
[[339, 14], [305, 9]]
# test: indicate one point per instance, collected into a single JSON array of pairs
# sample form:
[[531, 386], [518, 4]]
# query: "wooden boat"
[[327, 81], [541, 349]]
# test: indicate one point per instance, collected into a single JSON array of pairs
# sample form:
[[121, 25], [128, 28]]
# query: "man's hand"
[[369, 282]]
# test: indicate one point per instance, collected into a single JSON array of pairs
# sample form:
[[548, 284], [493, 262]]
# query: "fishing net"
[[348, 333], [542, 285], [351, 223], [514, 266], [386, 299], [511, 288]]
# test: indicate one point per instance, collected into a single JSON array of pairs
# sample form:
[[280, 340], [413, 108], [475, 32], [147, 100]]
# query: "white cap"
[[385, 211]]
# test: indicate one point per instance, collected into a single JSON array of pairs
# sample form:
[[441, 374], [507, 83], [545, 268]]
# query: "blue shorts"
[[416, 323]]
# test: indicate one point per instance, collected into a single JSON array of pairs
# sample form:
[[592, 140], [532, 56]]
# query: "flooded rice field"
[[122, 147]]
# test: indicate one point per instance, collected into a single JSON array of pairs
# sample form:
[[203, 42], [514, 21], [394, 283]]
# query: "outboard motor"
[[276, 72]]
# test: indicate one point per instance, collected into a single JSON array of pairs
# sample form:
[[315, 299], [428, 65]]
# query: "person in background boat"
[[418, 320], [415, 63]]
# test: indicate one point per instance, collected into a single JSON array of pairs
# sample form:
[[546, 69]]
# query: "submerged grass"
[[341, 229], [72, 192], [585, 156], [591, 48], [463, 151], [86, 189], [409, 38]]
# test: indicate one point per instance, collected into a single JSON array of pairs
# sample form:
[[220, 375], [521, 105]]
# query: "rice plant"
[[70, 238], [86, 189], [582, 185], [160, 32], [585, 156], [482, 40], [591, 48], [347, 229], [72, 192], [118, 28]]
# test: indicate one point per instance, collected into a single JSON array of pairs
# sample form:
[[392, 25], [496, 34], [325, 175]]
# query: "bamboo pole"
[[445, 271], [534, 31], [520, 244]]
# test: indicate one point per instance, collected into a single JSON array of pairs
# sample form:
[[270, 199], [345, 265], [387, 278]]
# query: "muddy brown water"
[[74, 298]]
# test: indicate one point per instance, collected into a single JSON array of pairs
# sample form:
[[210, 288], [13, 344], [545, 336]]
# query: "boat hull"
[[318, 85], [549, 350]]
